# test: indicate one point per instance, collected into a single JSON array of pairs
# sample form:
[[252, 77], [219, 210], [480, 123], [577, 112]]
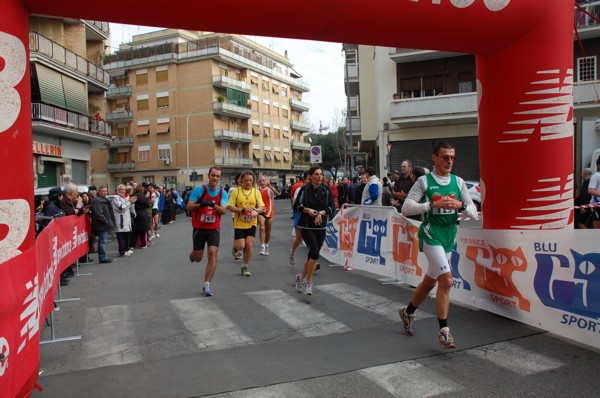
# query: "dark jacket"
[[69, 207], [141, 222], [103, 218], [317, 199], [52, 208]]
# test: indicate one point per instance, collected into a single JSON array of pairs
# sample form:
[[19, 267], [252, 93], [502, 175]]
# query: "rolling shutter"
[[48, 177], [75, 95], [78, 170], [51, 87]]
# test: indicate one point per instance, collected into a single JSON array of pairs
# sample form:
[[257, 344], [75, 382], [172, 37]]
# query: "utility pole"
[[348, 114]]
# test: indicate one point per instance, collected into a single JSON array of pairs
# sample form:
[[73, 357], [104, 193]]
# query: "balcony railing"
[[119, 116], [226, 161], [299, 105], [223, 108], [583, 20], [299, 165], [227, 82], [401, 55], [118, 92], [99, 30], [299, 126], [212, 46], [113, 166], [353, 124], [438, 110], [352, 72], [233, 136], [70, 120], [301, 145], [585, 94], [122, 142], [57, 53]]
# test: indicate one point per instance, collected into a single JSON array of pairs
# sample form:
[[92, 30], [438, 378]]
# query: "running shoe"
[[407, 320], [307, 289], [446, 339], [236, 254], [266, 250], [245, 271], [262, 250], [207, 291], [291, 257], [299, 284]]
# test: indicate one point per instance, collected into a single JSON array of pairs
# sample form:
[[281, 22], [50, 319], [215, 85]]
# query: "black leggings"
[[314, 239]]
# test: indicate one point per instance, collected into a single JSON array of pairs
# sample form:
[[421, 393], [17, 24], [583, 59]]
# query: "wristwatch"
[[431, 205], [464, 206]]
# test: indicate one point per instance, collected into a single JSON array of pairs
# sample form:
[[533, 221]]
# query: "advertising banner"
[[28, 285], [547, 279]]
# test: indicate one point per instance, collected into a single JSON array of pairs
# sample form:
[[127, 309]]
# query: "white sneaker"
[[129, 253], [157, 235], [299, 284], [262, 250], [266, 250], [308, 289]]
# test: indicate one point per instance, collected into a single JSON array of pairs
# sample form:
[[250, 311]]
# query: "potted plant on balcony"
[[220, 99]]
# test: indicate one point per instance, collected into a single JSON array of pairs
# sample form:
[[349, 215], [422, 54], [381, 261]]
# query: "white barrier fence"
[[547, 279]]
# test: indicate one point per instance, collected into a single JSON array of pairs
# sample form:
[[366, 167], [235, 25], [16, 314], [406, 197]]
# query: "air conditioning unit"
[[167, 161], [386, 126]]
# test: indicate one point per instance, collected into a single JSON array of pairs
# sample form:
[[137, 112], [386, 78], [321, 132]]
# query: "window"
[[284, 113], [586, 69], [266, 131], [144, 153], [351, 57], [147, 179], [283, 92], [254, 81], [142, 105], [254, 105], [274, 90], [265, 86], [255, 130], [276, 134], [162, 102], [162, 75], [225, 151], [122, 132], [275, 111], [164, 152], [266, 109], [141, 79]]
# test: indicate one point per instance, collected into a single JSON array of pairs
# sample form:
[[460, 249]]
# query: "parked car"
[[475, 192]]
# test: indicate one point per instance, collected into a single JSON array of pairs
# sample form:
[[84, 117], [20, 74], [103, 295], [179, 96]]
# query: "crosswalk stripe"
[[368, 301], [516, 359], [303, 318], [410, 379], [109, 337], [210, 327]]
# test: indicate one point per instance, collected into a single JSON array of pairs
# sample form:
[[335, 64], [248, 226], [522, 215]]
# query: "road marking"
[[211, 328], [109, 337], [410, 379], [274, 391], [516, 359], [368, 301], [301, 317]]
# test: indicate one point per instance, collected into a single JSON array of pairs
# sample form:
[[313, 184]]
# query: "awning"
[[162, 128], [286, 157], [51, 88], [268, 155], [75, 95], [254, 130], [143, 130], [257, 154], [277, 156]]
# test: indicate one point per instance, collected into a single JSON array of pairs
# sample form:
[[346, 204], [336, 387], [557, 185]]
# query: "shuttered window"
[[78, 170], [61, 90], [48, 177]]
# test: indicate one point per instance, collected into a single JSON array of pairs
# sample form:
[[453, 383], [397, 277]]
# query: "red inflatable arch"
[[524, 74]]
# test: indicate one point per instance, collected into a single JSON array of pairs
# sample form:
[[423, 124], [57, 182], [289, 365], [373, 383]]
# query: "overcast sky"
[[320, 64]]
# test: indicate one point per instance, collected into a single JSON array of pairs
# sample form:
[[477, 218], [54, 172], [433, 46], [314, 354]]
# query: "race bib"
[[208, 218], [441, 212], [247, 217]]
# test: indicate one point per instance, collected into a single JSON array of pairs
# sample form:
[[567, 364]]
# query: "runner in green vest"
[[441, 195]]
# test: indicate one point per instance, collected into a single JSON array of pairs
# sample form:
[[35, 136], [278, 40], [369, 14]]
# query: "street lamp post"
[[187, 135]]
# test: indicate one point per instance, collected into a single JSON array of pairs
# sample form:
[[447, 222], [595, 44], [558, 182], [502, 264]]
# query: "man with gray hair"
[[122, 206]]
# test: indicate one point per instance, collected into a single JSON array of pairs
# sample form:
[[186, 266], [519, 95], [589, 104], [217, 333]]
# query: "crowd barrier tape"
[[549, 279], [28, 285]]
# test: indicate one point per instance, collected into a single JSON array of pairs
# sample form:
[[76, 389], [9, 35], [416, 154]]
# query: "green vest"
[[435, 192]]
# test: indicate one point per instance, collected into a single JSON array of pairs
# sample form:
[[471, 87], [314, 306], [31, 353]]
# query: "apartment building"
[[182, 101], [67, 92], [437, 100]]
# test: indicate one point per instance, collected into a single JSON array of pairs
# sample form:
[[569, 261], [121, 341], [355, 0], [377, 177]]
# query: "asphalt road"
[[148, 332]]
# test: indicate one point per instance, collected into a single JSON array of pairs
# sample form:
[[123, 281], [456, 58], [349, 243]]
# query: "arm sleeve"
[[373, 193], [465, 197], [411, 206], [196, 194], [330, 204], [224, 198]]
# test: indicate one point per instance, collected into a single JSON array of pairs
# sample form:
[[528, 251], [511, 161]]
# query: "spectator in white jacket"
[[373, 190], [124, 211]]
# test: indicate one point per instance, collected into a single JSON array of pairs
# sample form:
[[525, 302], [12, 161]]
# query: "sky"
[[321, 65]]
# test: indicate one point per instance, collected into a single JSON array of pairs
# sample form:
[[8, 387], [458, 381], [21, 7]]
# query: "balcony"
[[113, 166], [223, 108], [587, 27], [119, 116], [351, 71], [299, 126], [303, 146], [61, 123], [123, 142], [115, 93], [68, 61], [232, 136], [353, 124], [100, 127], [403, 55], [227, 82], [585, 94], [300, 165], [96, 30], [299, 105], [435, 111], [225, 161]]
